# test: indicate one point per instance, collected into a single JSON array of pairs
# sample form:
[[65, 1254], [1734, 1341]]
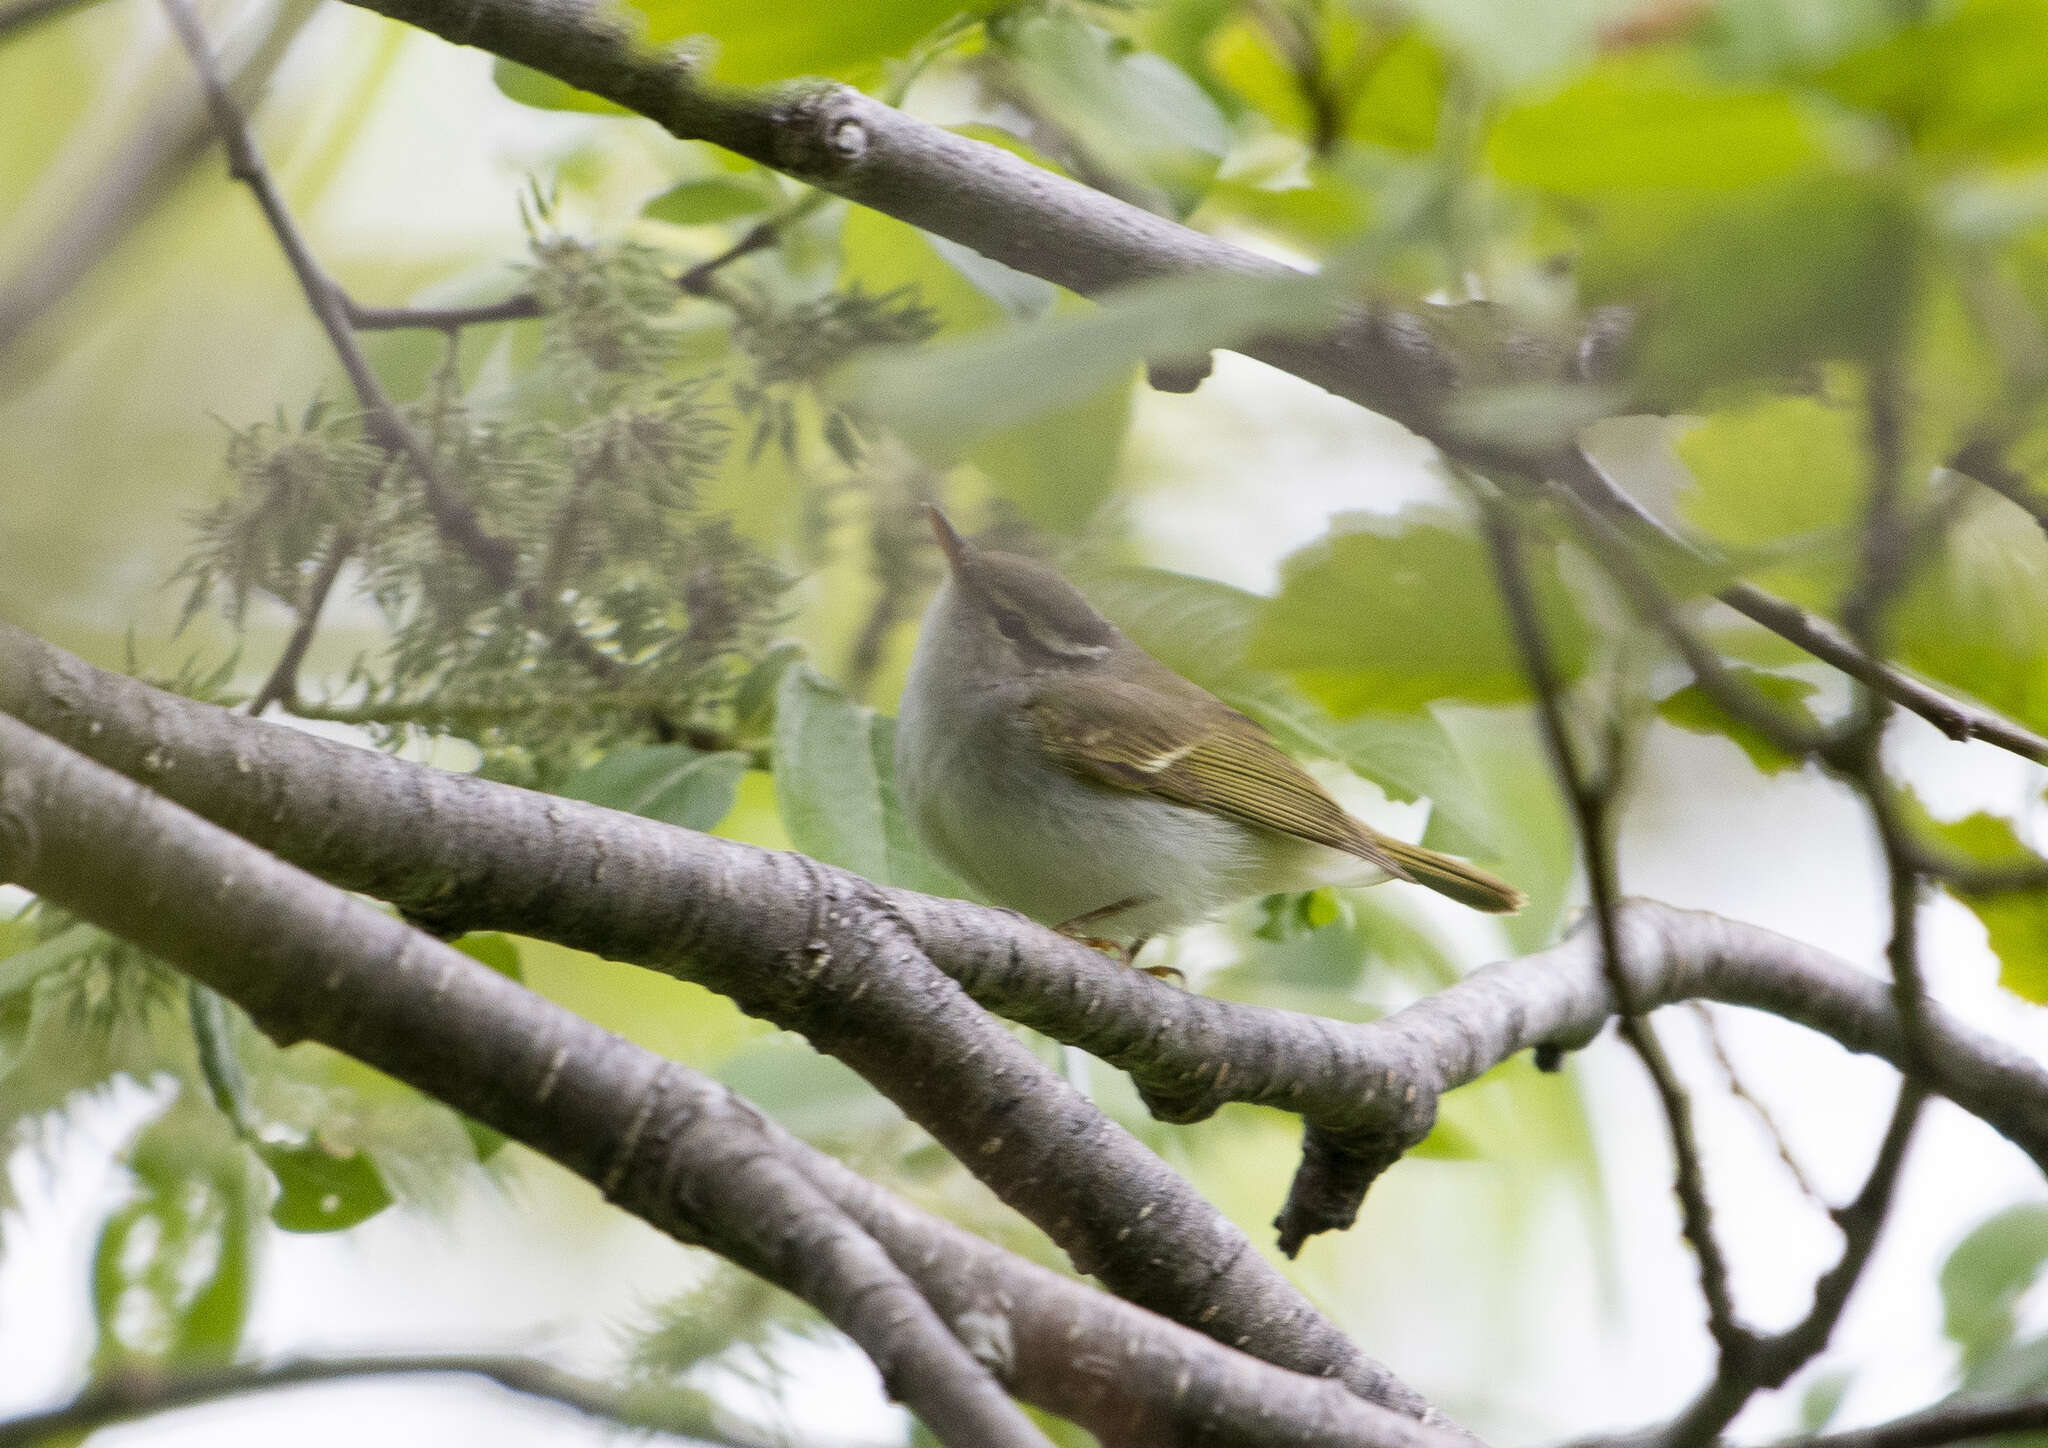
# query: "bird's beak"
[[957, 549]]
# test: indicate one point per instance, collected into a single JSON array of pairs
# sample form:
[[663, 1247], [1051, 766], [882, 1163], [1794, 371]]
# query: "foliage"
[[667, 544]]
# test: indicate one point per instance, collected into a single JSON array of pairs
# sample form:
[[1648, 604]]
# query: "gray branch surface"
[[461, 852], [814, 949], [309, 961]]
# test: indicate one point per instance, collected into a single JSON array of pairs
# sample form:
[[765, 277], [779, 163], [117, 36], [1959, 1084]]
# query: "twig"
[[1983, 461], [1590, 805], [760, 236], [23, 13], [1955, 1421], [1718, 1049], [124, 1399], [282, 684], [519, 308]]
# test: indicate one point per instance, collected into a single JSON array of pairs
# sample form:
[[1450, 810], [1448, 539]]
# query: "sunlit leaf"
[[1388, 614], [1694, 710], [1969, 82], [323, 1189], [1976, 619], [755, 44], [2016, 922], [1643, 122]]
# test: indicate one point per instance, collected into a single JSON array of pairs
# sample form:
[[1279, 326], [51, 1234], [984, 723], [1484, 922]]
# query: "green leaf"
[[1392, 613], [706, 199], [1759, 285], [1970, 84], [669, 782], [755, 44], [1693, 709], [1987, 1274], [1650, 121], [1131, 112], [836, 786], [493, 948], [22, 969], [1976, 619], [172, 1267], [1774, 469], [946, 397], [322, 1189], [2015, 923], [533, 88], [1823, 1398]]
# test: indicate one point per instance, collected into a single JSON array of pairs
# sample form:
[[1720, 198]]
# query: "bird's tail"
[[1466, 884]]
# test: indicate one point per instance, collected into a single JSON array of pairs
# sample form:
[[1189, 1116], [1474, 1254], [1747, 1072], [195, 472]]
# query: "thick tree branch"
[[817, 950], [310, 962], [480, 854]]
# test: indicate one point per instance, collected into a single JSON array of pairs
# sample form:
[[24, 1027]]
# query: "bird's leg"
[[1077, 928]]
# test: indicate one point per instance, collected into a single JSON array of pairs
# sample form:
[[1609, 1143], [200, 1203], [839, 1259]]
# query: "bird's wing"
[[1198, 752]]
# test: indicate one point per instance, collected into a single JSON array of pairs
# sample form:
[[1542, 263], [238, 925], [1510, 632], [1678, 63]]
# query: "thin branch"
[[521, 307], [22, 14], [282, 684], [125, 1399], [1718, 1049], [1590, 805], [453, 516], [1984, 461], [1401, 363], [311, 962], [1955, 1421]]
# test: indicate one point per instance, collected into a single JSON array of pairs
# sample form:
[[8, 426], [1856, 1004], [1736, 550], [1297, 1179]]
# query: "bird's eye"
[[1013, 626]]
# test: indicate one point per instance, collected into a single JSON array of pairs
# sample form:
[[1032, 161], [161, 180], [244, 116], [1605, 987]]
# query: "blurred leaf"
[[533, 88], [493, 948], [1651, 121], [1976, 618], [1823, 1398], [24, 967], [1970, 82], [1693, 709], [705, 199], [322, 1189], [669, 782], [945, 397], [1760, 284], [813, 1095], [1776, 468], [1059, 468], [1129, 111], [1986, 1275], [1388, 614], [835, 782], [1515, 45], [761, 43], [172, 1267]]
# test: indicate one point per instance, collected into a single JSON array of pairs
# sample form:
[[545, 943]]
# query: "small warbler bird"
[[1064, 772]]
